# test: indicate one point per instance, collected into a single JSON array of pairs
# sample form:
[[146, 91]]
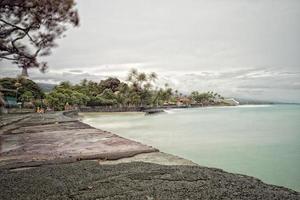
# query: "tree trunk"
[[24, 72]]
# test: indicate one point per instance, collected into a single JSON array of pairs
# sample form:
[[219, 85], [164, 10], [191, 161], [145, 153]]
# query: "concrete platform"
[[53, 138], [153, 157]]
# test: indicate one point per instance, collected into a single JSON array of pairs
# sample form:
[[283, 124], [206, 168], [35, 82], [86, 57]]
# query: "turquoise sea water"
[[261, 141]]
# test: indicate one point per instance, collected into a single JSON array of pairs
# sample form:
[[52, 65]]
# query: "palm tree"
[[176, 93], [141, 78], [152, 77], [132, 74]]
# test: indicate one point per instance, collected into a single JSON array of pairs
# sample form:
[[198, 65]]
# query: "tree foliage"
[[29, 28], [138, 91], [206, 97], [26, 96], [22, 86], [110, 83], [108, 92], [59, 97]]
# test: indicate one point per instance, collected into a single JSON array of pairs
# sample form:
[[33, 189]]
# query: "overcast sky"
[[238, 48]]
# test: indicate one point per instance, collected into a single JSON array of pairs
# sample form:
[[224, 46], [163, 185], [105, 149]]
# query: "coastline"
[[128, 158], [242, 139], [144, 108]]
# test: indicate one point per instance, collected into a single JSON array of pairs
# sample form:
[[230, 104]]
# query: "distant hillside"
[[46, 87]]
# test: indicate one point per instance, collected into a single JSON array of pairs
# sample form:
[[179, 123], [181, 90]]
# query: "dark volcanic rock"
[[89, 180]]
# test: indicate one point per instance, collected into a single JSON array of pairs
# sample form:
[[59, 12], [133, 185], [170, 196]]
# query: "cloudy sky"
[[239, 48]]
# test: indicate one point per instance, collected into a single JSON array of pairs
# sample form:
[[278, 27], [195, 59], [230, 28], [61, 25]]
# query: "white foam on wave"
[[173, 110], [169, 111], [253, 106]]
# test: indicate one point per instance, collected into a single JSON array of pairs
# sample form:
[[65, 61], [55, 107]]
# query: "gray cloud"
[[238, 48]]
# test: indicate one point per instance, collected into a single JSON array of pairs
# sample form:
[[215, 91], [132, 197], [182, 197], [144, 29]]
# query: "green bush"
[[26, 96], [100, 101]]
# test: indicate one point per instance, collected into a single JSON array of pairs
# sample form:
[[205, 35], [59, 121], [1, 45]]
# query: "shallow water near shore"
[[261, 141]]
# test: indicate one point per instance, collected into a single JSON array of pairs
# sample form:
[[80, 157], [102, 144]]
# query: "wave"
[[253, 106], [239, 106], [169, 111]]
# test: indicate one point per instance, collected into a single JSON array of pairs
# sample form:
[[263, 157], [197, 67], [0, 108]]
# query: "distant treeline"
[[138, 91]]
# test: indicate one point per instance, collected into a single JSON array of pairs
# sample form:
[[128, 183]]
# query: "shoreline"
[[16, 163], [221, 143], [144, 108]]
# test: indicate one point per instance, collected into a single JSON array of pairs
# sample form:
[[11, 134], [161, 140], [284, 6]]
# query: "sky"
[[238, 48]]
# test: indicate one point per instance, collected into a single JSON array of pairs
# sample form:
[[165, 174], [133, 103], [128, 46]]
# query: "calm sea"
[[261, 141]]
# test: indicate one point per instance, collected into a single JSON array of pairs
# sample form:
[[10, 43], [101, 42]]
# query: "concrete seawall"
[[56, 138]]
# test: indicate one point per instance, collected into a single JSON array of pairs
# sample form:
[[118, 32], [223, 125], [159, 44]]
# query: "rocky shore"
[[53, 156]]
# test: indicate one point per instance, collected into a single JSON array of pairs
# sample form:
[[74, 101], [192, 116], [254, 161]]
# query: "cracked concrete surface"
[[52, 138], [153, 157]]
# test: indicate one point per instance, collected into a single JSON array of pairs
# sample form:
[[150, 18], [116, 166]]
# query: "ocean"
[[257, 140]]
